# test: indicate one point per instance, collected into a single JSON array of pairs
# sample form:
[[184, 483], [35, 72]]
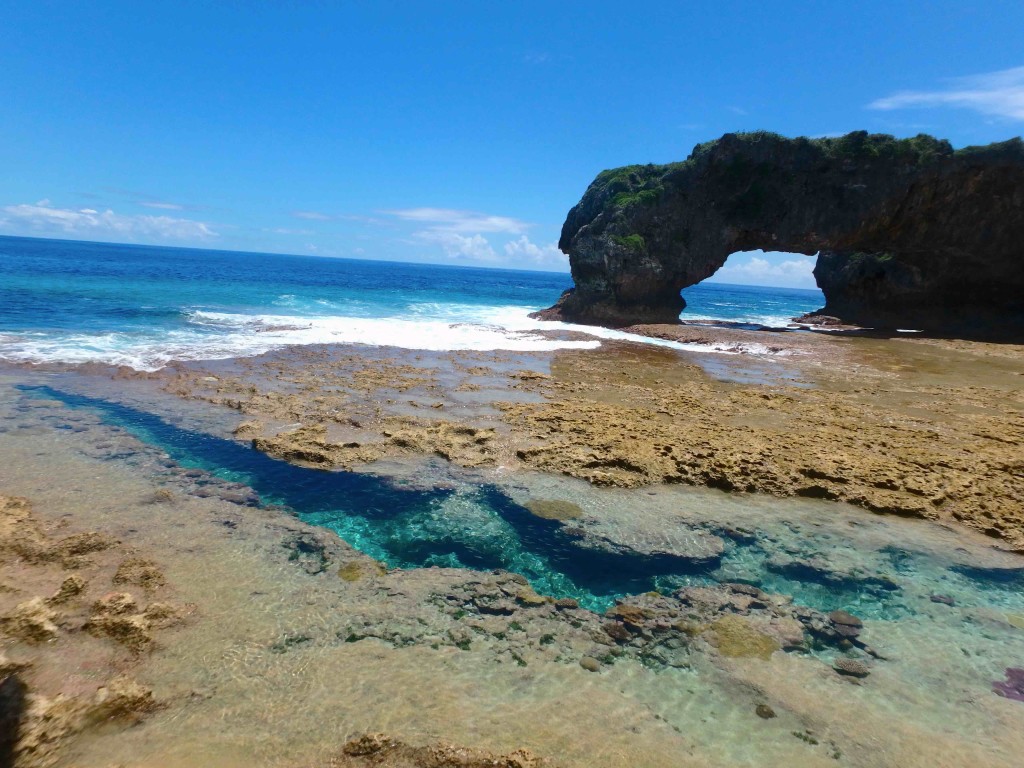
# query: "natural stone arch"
[[908, 232]]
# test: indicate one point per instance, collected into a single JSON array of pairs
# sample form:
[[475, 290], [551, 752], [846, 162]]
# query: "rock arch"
[[908, 232]]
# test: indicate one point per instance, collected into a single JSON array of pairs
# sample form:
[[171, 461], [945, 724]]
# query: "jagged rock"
[[910, 233], [121, 698], [46, 724], [377, 749], [33, 621], [72, 549], [71, 587], [139, 572], [114, 616], [19, 533], [115, 603], [8, 667]]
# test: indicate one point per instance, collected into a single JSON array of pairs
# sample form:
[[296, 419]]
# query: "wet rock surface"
[[42, 718], [879, 429], [377, 749], [656, 652]]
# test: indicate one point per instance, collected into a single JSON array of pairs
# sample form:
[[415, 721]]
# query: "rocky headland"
[[913, 428], [909, 233]]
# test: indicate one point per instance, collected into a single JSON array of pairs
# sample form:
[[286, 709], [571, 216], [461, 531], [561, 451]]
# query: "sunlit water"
[[143, 306], [943, 606], [480, 526], [936, 682]]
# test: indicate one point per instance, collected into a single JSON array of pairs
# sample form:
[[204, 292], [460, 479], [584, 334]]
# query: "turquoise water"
[[479, 526], [63, 301]]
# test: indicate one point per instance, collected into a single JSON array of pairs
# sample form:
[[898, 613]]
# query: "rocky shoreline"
[[911, 427], [206, 602], [86, 593]]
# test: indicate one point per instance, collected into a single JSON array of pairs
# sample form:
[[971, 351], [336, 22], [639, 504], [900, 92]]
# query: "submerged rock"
[[1013, 686], [554, 509], [377, 749], [737, 637], [850, 667], [824, 571], [670, 548]]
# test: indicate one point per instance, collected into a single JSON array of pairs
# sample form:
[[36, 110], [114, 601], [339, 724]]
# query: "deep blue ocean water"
[[143, 306]]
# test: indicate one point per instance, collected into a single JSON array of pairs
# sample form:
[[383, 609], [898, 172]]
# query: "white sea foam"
[[768, 321], [428, 326]]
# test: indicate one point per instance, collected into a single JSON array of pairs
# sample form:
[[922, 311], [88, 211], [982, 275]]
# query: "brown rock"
[[115, 603], [617, 632], [737, 637], [71, 587], [379, 750], [845, 619], [32, 621], [81, 544], [850, 667], [554, 509], [631, 615], [139, 572]]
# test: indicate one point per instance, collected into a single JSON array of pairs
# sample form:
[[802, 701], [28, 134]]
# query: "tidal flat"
[[809, 555]]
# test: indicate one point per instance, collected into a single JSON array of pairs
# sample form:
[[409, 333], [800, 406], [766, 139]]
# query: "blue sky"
[[449, 132]]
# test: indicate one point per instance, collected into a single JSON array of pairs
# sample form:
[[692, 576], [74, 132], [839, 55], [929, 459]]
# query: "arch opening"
[[755, 289]]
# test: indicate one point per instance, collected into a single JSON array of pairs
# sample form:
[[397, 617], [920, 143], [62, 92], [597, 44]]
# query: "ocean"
[[143, 306]]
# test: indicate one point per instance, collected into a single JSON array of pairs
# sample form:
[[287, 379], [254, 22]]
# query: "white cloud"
[[44, 219], [288, 231], [311, 215], [748, 269], [163, 206], [450, 220], [461, 247], [995, 93], [524, 253]]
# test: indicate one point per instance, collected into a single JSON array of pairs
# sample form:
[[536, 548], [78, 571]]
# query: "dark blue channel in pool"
[[481, 527]]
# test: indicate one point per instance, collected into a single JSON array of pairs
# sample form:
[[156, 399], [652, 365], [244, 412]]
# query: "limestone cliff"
[[909, 233]]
